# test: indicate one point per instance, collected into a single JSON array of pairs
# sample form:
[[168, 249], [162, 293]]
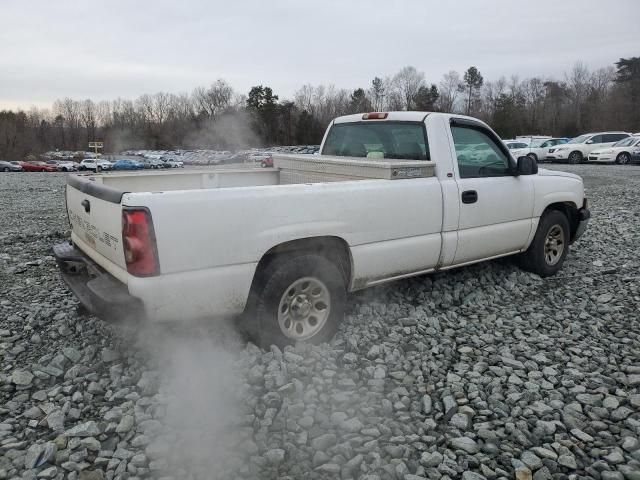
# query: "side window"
[[596, 139], [614, 137], [478, 154], [548, 143]]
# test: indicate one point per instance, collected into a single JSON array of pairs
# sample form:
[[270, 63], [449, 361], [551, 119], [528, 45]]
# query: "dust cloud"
[[198, 404], [230, 131]]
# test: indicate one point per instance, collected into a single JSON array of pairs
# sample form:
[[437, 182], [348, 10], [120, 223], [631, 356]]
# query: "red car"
[[37, 167]]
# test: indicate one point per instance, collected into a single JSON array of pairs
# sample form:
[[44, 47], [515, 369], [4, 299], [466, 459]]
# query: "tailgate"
[[95, 214]]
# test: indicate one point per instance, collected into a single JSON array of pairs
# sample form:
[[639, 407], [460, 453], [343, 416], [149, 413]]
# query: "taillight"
[[375, 116], [139, 242]]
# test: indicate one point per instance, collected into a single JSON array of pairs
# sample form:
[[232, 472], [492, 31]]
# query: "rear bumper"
[[101, 293], [583, 220]]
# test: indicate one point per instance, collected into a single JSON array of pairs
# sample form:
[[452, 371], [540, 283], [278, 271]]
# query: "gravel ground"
[[485, 372]]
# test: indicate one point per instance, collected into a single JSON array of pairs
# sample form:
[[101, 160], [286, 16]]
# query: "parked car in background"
[[516, 144], [267, 162], [38, 166], [258, 157], [578, 149], [128, 165], [173, 163], [619, 152], [9, 167], [67, 166], [95, 165], [635, 154], [538, 148], [151, 163]]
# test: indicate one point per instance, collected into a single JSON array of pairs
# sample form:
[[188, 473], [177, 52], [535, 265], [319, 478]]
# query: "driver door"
[[496, 207]]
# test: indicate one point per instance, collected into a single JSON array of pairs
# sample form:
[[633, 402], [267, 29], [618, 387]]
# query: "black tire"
[[5, 169], [623, 158], [271, 286], [575, 157], [535, 258], [533, 156]]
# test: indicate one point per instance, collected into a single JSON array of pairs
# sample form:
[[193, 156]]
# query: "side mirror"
[[589, 141], [526, 166]]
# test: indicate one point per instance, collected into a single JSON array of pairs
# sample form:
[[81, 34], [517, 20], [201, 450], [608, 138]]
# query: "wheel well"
[[334, 249], [570, 210]]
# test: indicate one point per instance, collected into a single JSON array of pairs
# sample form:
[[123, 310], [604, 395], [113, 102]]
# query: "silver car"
[[9, 166]]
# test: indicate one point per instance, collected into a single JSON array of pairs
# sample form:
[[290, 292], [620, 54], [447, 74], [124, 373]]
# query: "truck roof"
[[397, 116]]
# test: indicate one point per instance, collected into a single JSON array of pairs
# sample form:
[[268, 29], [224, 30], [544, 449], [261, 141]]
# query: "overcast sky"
[[103, 49]]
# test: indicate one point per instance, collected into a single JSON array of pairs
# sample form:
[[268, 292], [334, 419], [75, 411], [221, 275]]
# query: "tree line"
[[219, 117]]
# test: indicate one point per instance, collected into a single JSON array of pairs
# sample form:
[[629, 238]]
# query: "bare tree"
[[449, 91], [213, 100], [377, 93], [406, 84]]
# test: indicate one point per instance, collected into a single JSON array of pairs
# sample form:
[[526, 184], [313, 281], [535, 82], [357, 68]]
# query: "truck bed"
[[289, 169]]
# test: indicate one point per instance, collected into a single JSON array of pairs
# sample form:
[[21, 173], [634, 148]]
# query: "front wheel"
[[550, 245], [623, 158], [5, 169], [575, 157], [298, 299], [533, 156]]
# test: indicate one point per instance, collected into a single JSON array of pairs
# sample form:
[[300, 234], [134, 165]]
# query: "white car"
[[392, 195], [619, 153], [538, 148], [578, 149], [66, 166], [95, 165], [173, 163]]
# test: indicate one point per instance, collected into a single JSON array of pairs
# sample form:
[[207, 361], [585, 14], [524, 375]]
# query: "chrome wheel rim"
[[554, 245], [304, 308], [624, 159], [574, 158]]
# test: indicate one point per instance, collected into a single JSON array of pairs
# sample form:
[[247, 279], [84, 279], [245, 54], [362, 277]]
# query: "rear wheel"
[[623, 158], [5, 169], [298, 299], [575, 157], [550, 245]]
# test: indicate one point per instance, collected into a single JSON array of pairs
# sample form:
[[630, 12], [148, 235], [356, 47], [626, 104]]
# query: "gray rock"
[[472, 476], [614, 457], [329, 468], [464, 443], [109, 355], [580, 435], [568, 461], [323, 442], [427, 404], [542, 474], [510, 362], [431, 459], [55, 420], [275, 456], [126, 424], [50, 472], [531, 460], [21, 377], [87, 429]]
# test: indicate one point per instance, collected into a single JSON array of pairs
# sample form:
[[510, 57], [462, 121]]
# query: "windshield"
[[580, 139], [625, 142], [395, 140]]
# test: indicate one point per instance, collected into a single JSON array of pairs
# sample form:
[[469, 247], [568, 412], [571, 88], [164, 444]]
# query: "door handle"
[[86, 205], [470, 196]]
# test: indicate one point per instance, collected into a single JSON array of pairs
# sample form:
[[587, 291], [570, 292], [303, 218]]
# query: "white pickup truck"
[[392, 195]]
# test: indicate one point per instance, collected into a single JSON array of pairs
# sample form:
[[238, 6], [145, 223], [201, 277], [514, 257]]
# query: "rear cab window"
[[379, 140]]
